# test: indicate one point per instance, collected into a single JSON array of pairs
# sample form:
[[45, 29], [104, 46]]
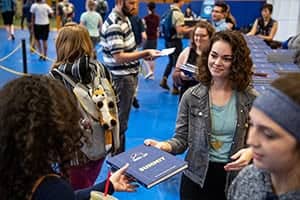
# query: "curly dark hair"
[[151, 6], [38, 129], [241, 67]]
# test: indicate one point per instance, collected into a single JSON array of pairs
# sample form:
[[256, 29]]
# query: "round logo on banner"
[[207, 10]]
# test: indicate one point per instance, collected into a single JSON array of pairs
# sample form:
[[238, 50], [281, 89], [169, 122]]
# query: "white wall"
[[287, 13]]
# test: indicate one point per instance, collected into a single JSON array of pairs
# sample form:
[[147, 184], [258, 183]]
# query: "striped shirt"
[[117, 36]]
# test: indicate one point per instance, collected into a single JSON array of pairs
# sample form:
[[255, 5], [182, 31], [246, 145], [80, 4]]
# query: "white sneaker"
[[149, 75], [152, 77]]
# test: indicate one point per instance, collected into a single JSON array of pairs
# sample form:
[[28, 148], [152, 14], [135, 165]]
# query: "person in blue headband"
[[274, 137]]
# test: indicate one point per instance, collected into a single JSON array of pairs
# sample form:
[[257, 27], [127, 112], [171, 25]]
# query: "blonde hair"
[[72, 42]]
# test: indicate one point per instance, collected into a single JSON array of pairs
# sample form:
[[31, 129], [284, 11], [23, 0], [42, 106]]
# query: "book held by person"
[[148, 165]]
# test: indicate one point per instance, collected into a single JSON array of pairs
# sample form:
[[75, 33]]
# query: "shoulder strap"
[[66, 77], [172, 14], [39, 181], [100, 70]]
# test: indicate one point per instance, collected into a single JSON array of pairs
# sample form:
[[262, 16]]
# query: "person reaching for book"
[[40, 140], [212, 120]]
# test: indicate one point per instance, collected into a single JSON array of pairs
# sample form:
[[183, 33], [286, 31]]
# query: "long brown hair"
[[202, 24], [72, 42]]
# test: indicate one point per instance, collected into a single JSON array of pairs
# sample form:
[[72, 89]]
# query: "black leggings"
[[173, 57], [214, 185]]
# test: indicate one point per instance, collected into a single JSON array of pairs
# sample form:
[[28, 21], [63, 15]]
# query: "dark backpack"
[[167, 28]]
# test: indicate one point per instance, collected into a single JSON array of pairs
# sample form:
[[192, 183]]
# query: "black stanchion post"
[[24, 55]]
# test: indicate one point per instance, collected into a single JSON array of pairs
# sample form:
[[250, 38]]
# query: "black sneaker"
[[175, 91], [135, 103], [43, 58]]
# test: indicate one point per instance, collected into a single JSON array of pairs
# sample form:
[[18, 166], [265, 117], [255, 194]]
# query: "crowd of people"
[[238, 143]]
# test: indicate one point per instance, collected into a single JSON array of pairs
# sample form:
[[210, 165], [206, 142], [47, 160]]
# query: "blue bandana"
[[281, 109]]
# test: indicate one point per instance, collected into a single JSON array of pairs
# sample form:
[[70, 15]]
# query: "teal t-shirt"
[[224, 119], [91, 20]]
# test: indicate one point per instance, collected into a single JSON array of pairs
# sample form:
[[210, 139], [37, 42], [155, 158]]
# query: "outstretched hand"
[[152, 54], [160, 145], [121, 182], [241, 159]]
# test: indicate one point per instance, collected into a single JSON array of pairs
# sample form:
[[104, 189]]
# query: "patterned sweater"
[[255, 184]]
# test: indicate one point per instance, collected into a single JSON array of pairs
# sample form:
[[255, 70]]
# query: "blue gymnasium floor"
[[154, 119]]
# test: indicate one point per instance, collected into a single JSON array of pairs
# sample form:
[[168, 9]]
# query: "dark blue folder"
[[148, 165]]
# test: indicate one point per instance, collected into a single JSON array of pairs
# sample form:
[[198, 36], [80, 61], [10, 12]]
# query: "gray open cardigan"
[[193, 129]]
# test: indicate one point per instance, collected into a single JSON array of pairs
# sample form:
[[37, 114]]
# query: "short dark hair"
[[267, 6], [222, 4], [151, 6]]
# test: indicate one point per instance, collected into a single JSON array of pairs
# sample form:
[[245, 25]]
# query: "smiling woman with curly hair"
[[40, 136], [213, 118], [240, 73]]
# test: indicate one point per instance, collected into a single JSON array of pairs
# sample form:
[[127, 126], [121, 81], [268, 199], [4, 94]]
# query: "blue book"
[[148, 165], [189, 69]]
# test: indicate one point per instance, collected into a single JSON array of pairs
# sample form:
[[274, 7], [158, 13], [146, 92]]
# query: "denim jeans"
[[125, 88]]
